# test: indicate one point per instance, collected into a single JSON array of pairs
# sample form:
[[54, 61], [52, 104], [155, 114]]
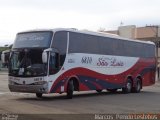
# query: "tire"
[[70, 89], [128, 87], [112, 90], [39, 95], [138, 86], [99, 91]]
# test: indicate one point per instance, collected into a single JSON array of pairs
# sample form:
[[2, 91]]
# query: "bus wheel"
[[70, 89], [138, 86], [39, 95], [112, 90], [99, 90], [128, 87]]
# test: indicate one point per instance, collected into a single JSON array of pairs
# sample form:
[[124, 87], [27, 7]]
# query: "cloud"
[[19, 15]]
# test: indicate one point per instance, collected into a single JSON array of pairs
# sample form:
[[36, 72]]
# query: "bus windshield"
[[36, 39], [27, 63]]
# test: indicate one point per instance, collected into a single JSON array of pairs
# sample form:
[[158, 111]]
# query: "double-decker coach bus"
[[67, 60]]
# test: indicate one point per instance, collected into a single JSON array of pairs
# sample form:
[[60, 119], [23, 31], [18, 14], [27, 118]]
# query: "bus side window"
[[53, 63]]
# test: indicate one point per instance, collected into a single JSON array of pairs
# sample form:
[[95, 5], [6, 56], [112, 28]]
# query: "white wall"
[[127, 31]]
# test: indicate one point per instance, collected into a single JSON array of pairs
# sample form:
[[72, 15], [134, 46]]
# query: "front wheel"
[[39, 95], [70, 89], [128, 87]]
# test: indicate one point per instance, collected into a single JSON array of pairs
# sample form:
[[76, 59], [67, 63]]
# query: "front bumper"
[[29, 88]]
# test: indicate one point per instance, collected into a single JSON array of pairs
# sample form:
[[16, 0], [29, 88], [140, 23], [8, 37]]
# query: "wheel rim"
[[129, 86]]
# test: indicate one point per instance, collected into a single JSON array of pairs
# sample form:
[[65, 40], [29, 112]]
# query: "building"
[[147, 33], [141, 33]]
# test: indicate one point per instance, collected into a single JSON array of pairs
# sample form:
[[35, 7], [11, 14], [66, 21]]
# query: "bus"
[[68, 60], [5, 58]]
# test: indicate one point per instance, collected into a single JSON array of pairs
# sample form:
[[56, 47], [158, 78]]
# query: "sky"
[[22, 15]]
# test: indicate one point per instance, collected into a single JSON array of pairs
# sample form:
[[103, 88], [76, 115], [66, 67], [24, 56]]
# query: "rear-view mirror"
[[44, 57]]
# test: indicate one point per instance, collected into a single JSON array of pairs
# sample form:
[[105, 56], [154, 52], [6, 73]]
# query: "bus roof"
[[91, 33]]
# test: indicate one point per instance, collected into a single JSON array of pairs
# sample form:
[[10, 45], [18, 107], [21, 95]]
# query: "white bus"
[[5, 58], [68, 60]]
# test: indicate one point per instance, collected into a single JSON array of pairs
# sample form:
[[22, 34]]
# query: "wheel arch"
[[76, 82], [128, 84], [129, 77]]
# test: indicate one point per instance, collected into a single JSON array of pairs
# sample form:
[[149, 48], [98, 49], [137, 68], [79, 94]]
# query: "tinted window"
[[84, 43], [33, 39], [60, 43]]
